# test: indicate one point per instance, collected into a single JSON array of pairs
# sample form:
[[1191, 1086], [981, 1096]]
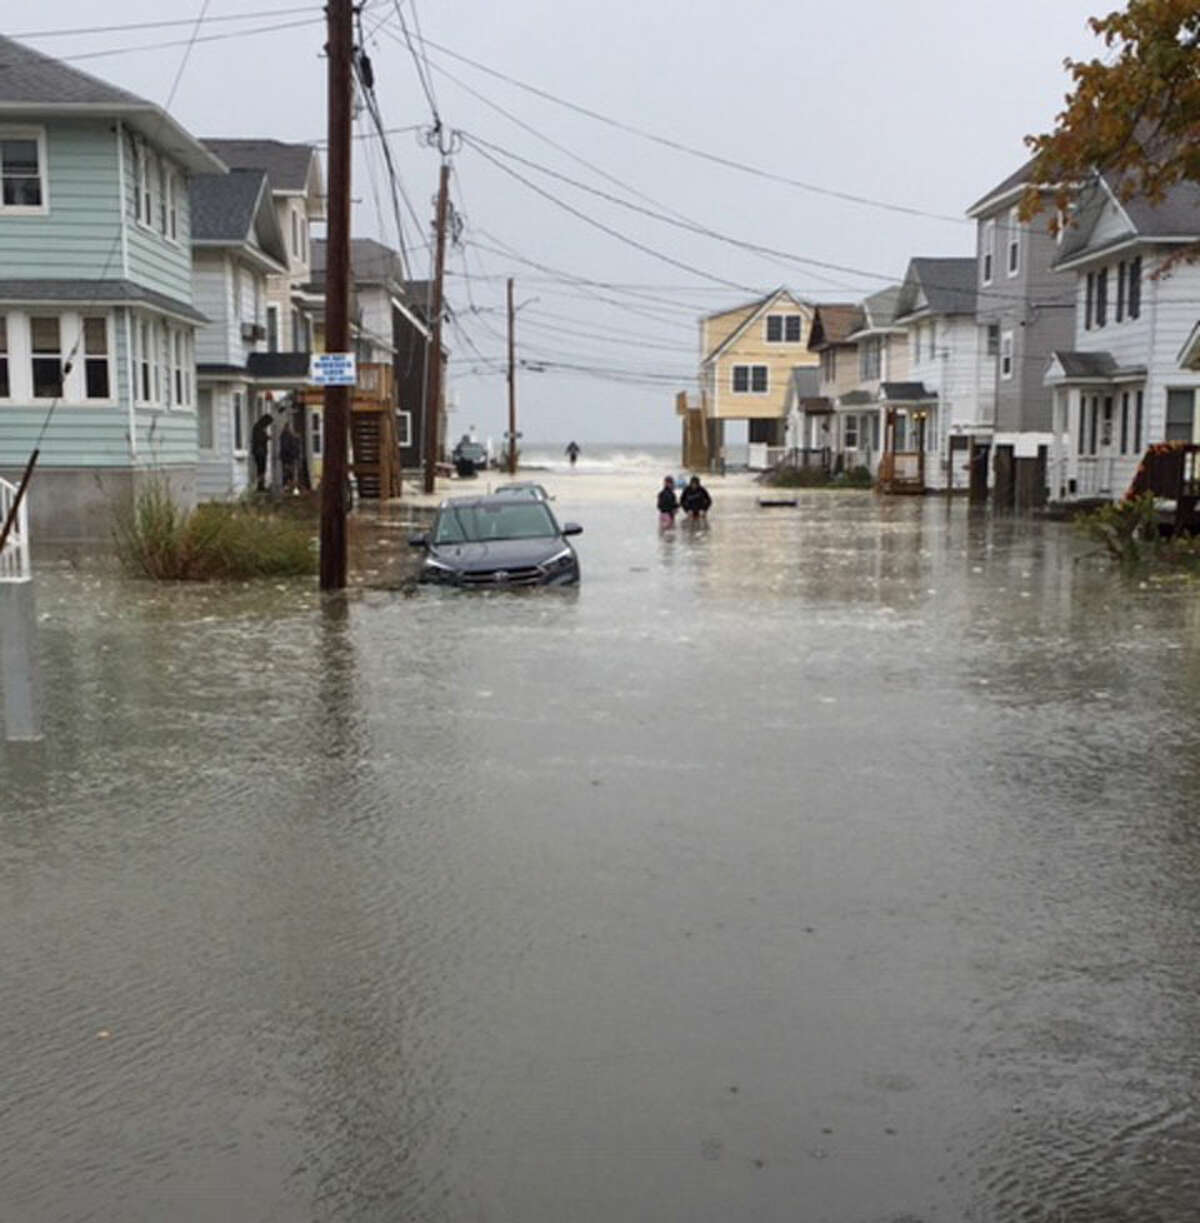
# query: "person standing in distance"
[[573, 452], [694, 500], [667, 504]]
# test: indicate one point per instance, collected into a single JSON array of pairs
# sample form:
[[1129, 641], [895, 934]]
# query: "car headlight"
[[559, 561], [434, 571]]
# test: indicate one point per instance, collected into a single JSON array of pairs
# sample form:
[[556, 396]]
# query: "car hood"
[[498, 553]]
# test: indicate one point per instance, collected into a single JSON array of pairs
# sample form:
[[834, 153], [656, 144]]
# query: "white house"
[[1127, 381]]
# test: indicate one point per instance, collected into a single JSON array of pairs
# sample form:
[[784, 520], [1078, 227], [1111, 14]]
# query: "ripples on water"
[[836, 864]]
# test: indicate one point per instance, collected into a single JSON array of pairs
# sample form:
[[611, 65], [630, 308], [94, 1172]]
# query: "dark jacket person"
[[260, 440], [695, 499]]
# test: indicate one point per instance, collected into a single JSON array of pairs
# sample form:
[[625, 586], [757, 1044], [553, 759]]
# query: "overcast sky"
[[921, 105]]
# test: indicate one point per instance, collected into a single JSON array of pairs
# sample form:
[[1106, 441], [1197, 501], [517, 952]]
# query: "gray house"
[[236, 246], [97, 319], [1027, 310]]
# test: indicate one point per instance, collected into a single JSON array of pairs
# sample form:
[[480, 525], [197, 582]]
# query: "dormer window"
[[22, 170], [989, 250], [783, 328]]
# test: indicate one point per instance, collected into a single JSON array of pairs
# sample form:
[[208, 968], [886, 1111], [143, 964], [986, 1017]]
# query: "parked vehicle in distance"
[[469, 457], [498, 540], [522, 488]]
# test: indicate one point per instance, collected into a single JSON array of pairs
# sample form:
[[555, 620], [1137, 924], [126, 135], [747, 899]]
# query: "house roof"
[[938, 286], [1086, 364], [740, 330], [854, 399], [905, 392], [833, 323], [34, 84], [1175, 219], [1189, 354], [234, 209], [96, 293], [370, 263], [1003, 191], [287, 165]]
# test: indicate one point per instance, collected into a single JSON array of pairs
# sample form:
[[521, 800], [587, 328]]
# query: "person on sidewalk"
[[260, 444], [667, 504], [694, 500], [289, 457]]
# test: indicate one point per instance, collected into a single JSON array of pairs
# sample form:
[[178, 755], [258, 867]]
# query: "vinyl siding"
[[780, 358], [154, 261], [79, 237], [215, 341], [220, 476]]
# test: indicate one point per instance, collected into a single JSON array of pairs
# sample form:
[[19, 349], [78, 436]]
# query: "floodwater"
[[838, 863]]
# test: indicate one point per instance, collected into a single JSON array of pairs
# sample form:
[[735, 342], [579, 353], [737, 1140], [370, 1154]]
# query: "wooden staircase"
[[375, 460]]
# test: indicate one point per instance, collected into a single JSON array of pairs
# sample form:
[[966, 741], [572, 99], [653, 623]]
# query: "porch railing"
[[14, 559], [796, 457], [1094, 476]]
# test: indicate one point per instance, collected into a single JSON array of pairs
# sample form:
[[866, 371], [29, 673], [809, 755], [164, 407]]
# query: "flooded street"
[[834, 863]]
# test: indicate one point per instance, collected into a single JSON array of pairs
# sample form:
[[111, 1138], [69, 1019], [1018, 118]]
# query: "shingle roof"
[[905, 392], [28, 76], [1018, 178], [223, 205], [95, 292], [1086, 364], [287, 165], [833, 322], [370, 262], [949, 286], [879, 308]]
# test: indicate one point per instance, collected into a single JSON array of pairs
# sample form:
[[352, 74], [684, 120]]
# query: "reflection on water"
[[830, 863]]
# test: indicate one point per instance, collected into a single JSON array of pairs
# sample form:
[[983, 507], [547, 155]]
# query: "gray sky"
[[921, 104]]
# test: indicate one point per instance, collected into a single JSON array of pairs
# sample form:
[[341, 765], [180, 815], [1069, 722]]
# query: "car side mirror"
[[572, 528], [419, 539]]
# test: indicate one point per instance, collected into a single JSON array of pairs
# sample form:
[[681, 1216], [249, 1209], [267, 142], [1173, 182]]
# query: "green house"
[[97, 318]]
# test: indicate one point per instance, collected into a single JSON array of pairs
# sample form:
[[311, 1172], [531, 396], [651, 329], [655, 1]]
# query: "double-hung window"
[[1014, 241], [145, 190], [46, 360], [750, 378], [97, 375], [1119, 313], [1089, 301], [784, 328], [1181, 413], [172, 230], [1135, 287], [1101, 297], [177, 370], [993, 339], [239, 423], [1006, 355], [869, 357], [850, 432], [22, 170], [5, 390], [206, 433], [989, 249]]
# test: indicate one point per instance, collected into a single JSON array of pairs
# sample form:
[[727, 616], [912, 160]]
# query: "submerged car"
[[498, 541], [470, 458], [523, 488]]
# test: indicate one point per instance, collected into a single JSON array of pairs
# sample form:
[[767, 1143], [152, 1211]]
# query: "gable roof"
[[765, 304], [234, 209], [938, 286], [370, 263], [833, 322], [34, 85], [287, 165], [878, 312], [1004, 192]]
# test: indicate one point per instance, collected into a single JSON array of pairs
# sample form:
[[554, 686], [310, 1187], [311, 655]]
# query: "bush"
[[1127, 530], [156, 538], [798, 477], [857, 477]]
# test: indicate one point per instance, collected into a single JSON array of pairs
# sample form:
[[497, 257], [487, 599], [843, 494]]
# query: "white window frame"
[[272, 315], [38, 134], [316, 434], [850, 431], [6, 354], [295, 234], [143, 379], [144, 213], [237, 408], [987, 255], [172, 234], [749, 379], [83, 357], [405, 438], [1012, 248], [1007, 354]]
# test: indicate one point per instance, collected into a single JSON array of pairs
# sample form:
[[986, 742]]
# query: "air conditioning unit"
[[252, 332]]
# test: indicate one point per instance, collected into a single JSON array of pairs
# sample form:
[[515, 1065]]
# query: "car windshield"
[[479, 523]]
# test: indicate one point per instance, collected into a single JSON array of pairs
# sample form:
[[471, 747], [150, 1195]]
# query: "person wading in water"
[[667, 504], [573, 452]]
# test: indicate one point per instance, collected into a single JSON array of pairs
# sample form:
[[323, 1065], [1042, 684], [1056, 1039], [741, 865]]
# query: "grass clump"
[[798, 477], [157, 538], [1127, 531]]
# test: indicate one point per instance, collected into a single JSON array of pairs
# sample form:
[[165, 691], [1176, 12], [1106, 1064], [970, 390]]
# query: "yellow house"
[[747, 357]]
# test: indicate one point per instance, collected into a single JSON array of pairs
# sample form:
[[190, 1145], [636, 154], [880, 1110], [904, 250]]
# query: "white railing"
[[14, 559], [907, 465], [1094, 476]]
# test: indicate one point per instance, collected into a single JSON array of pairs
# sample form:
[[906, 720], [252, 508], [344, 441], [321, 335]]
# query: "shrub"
[[858, 477], [1127, 530], [156, 538], [798, 477]]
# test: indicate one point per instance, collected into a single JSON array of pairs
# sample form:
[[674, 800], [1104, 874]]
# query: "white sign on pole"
[[332, 369]]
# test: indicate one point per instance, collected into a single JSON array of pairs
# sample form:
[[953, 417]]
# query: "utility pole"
[[433, 369], [512, 384], [340, 50]]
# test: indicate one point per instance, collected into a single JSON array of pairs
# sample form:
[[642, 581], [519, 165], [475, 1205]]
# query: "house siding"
[[753, 348], [154, 261], [78, 238]]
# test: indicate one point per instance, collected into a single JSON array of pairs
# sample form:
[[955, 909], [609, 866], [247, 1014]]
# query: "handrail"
[[14, 559]]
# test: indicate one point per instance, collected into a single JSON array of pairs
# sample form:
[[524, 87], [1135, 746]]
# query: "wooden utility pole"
[[340, 50], [433, 368], [512, 384]]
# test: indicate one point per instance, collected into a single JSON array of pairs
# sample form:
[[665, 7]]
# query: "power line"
[[422, 75], [164, 25], [679, 146], [186, 55]]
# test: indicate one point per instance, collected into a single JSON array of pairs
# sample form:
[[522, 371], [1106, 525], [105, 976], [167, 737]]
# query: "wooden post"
[[433, 383], [340, 14], [512, 384]]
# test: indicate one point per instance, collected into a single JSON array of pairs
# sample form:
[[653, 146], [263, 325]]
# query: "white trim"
[[401, 414], [38, 134], [749, 368], [1006, 341], [1013, 242], [123, 195], [987, 253]]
